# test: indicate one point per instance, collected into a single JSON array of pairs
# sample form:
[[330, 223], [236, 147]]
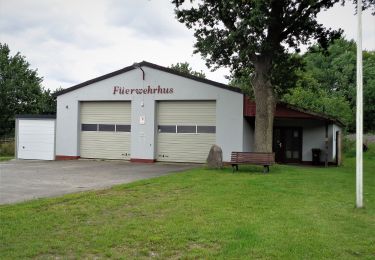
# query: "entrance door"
[[278, 142], [287, 144]]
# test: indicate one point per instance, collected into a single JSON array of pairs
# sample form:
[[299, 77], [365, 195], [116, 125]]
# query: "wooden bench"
[[265, 159]]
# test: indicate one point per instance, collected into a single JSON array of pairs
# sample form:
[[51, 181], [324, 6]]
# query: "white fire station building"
[[147, 113]]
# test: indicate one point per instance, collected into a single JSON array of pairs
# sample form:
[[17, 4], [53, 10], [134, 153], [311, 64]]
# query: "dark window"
[[106, 127], [207, 129], [89, 127], [186, 129], [167, 129], [123, 128]]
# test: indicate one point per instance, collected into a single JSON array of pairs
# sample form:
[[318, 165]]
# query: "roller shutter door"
[[105, 130], [36, 139], [186, 130]]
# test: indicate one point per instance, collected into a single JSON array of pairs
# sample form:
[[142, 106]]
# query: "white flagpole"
[[359, 119]]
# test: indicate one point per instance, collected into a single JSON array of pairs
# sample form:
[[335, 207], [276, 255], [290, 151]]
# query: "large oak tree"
[[256, 36]]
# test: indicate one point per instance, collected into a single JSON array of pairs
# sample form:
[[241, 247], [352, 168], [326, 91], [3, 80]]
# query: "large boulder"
[[215, 157]]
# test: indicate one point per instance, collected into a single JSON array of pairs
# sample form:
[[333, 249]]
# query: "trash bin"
[[316, 156]]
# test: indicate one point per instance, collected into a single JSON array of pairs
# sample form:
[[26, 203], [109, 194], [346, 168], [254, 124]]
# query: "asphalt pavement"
[[22, 180]]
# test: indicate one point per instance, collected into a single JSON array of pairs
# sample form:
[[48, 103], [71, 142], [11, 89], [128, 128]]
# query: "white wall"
[[335, 128], [313, 137], [248, 136], [229, 110], [67, 118]]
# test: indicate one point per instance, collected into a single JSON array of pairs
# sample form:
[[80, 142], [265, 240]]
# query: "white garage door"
[[105, 130], [36, 139], [186, 130]]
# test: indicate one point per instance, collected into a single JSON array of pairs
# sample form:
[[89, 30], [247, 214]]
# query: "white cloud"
[[147, 19], [73, 41], [343, 17]]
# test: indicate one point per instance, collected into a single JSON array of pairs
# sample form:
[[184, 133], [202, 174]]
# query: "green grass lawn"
[[291, 213]]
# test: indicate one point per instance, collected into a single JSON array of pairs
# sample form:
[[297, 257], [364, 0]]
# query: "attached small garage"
[[35, 137], [105, 130], [186, 130]]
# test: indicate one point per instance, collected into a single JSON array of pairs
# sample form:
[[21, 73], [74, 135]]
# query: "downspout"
[[138, 66]]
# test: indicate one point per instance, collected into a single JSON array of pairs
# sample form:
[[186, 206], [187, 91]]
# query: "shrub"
[[7, 148], [349, 147], [370, 154]]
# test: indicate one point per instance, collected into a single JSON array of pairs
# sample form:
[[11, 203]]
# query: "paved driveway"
[[24, 180]]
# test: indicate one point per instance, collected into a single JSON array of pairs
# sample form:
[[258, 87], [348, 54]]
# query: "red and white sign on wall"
[[117, 90]]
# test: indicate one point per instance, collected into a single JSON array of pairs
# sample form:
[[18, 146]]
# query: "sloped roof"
[[285, 110], [153, 66]]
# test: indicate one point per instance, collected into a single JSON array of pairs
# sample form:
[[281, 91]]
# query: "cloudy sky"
[[70, 41]]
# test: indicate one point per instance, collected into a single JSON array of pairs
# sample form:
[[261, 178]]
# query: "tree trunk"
[[265, 100]]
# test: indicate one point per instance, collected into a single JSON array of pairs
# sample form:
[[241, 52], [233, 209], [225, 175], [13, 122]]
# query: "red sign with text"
[[117, 90]]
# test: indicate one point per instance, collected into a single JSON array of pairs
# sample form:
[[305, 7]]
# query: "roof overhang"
[[285, 110], [32, 116]]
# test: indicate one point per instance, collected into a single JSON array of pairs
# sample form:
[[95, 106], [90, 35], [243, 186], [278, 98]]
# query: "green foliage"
[[292, 213], [370, 154], [369, 90], [6, 158], [7, 148], [245, 34], [185, 68], [47, 101], [334, 68], [20, 90], [348, 147], [331, 75], [243, 81], [287, 73], [321, 101], [285, 79]]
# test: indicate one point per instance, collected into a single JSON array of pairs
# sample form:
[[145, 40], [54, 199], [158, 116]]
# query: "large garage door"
[[36, 139], [105, 130], [186, 130]]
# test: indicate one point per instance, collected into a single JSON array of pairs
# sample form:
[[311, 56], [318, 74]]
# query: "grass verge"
[[6, 158], [291, 213]]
